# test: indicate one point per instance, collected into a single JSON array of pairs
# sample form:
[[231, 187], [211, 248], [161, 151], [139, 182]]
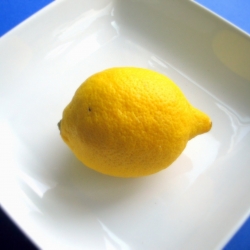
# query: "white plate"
[[199, 201]]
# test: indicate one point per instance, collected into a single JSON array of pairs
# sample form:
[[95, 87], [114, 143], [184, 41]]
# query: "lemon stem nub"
[[59, 125]]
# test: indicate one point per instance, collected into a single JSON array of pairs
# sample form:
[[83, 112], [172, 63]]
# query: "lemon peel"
[[130, 122]]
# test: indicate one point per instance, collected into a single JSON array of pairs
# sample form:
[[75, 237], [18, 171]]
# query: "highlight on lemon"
[[130, 122]]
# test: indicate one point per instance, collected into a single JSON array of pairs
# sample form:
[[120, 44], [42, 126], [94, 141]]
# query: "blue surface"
[[240, 241], [12, 12], [235, 11]]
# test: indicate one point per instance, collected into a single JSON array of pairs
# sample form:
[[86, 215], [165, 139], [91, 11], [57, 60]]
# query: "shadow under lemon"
[[104, 191], [91, 209]]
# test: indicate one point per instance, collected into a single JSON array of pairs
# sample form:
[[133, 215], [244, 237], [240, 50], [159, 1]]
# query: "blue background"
[[12, 12], [235, 11]]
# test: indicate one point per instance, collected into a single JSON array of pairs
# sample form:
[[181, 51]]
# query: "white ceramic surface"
[[199, 201]]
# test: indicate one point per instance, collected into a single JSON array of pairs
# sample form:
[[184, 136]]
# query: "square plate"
[[196, 203]]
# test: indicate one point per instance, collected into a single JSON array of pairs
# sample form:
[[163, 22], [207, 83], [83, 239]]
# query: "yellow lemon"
[[130, 122]]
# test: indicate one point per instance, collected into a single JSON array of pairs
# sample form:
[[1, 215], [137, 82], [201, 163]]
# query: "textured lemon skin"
[[130, 122]]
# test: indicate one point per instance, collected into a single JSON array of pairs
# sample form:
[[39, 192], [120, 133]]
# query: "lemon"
[[130, 122]]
